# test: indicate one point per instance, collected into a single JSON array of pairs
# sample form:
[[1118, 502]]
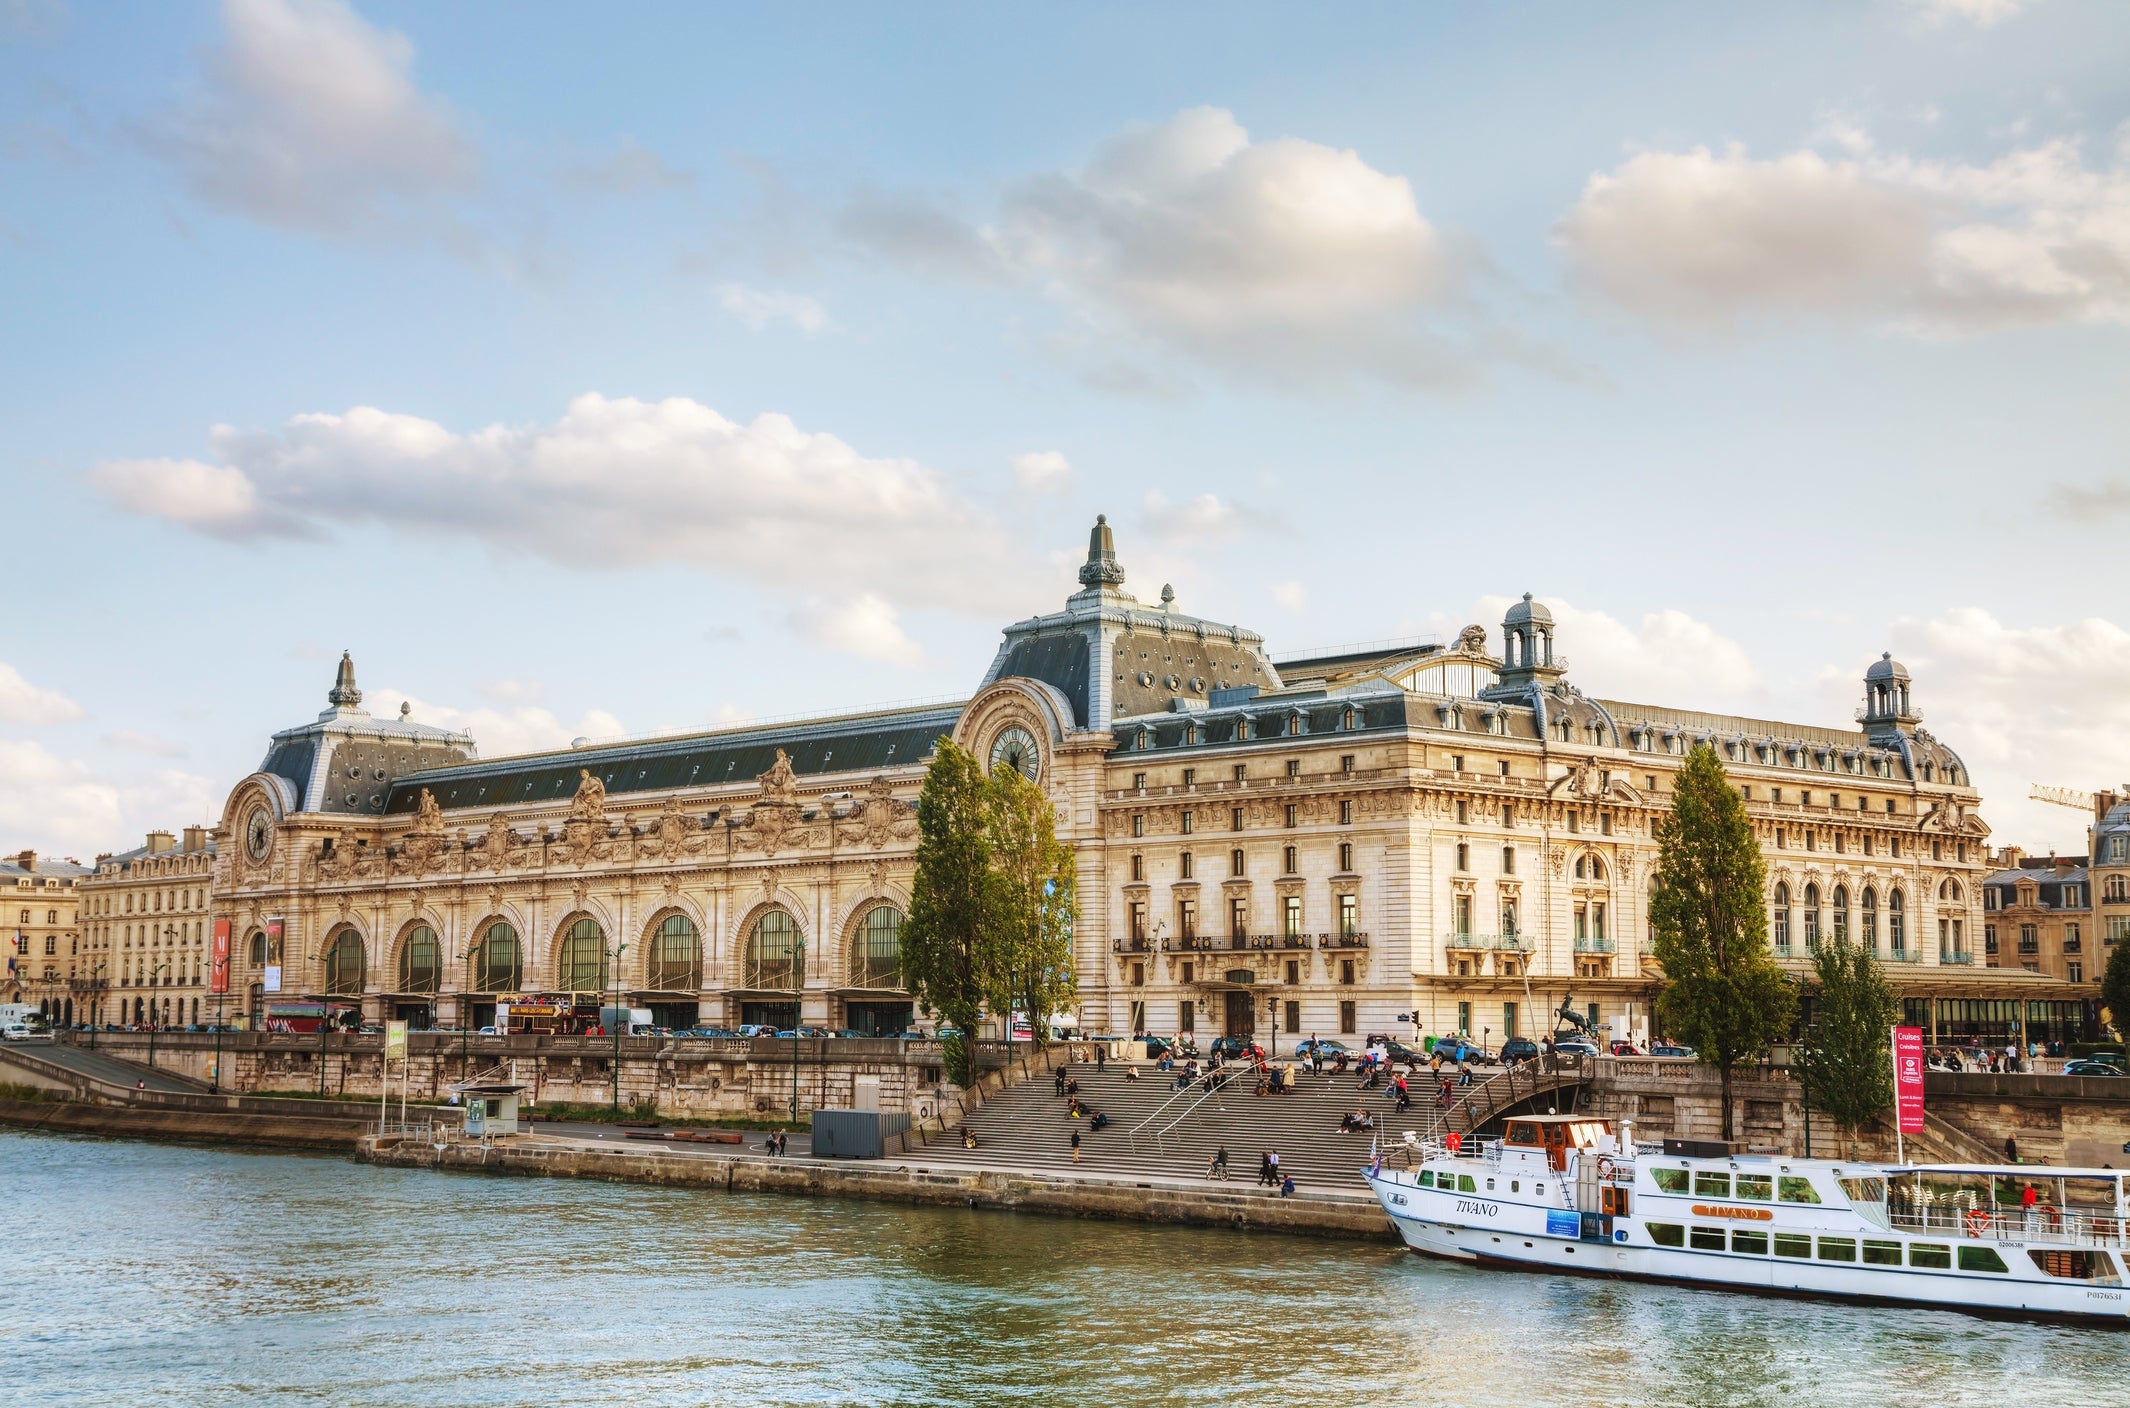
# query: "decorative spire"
[[344, 694], [1101, 569]]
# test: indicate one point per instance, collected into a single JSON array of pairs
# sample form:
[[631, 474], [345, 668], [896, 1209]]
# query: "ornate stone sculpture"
[[590, 802], [428, 816], [879, 818]]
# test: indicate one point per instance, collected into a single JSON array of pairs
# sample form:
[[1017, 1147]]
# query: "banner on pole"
[[218, 964], [395, 1041], [1908, 1078]]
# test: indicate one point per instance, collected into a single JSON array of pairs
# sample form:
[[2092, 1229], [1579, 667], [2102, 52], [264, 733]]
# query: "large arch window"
[[1841, 914], [1811, 916], [257, 947], [421, 961], [1870, 917], [876, 951], [343, 963], [774, 957], [1779, 924], [498, 960], [583, 959], [676, 956]]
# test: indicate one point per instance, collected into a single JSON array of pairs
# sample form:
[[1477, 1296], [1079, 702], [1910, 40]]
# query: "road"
[[106, 1068]]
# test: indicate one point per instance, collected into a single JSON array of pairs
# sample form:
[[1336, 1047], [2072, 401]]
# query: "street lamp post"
[[620, 1016], [798, 1010], [324, 1008], [465, 1010], [96, 1011], [157, 973]]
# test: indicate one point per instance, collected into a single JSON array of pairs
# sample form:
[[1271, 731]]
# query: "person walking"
[[1264, 1168], [2011, 1150], [1060, 1082], [1272, 1168], [1076, 1146]]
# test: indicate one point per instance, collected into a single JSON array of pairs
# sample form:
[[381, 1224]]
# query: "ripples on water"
[[134, 1272]]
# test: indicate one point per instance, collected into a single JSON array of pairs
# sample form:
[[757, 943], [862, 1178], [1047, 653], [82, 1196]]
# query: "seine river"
[[140, 1273]]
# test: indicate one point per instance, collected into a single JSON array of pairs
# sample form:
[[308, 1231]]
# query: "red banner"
[[218, 965], [1908, 1078]]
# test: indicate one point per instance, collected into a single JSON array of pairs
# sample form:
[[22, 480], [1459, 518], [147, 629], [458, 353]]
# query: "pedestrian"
[[1286, 1187], [1076, 1146], [1272, 1160], [1217, 1166], [1264, 1168], [1101, 1054], [1131, 1071], [1060, 1082], [2011, 1150]]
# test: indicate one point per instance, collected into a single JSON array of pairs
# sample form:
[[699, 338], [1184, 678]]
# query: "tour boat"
[[1568, 1193]]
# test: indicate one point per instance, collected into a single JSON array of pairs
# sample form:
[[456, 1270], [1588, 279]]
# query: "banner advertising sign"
[[218, 963], [273, 941], [272, 981], [1908, 1078], [395, 1041]]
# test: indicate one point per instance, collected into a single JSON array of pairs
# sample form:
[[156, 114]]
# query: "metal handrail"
[[2053, 1226]]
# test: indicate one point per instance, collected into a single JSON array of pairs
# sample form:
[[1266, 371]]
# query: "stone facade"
[[1314, 844], [39, 907], [146, 917]]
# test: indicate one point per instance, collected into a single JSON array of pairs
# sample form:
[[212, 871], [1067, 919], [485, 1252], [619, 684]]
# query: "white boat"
[[1568, 1193]]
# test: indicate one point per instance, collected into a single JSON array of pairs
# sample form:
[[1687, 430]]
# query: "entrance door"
[[1242, 1014]]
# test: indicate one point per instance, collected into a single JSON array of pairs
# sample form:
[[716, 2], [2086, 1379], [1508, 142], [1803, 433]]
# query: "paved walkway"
[[98, 1066]]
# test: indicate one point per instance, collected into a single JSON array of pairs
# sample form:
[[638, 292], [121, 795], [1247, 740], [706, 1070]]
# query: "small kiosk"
[[490, 1109]]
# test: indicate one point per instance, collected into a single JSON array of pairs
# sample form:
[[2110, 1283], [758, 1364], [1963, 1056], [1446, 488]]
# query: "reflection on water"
[[210, 1276]]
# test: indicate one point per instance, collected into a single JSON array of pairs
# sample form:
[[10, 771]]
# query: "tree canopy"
[[1722, 994], [2115, 989], [1846, 1058]]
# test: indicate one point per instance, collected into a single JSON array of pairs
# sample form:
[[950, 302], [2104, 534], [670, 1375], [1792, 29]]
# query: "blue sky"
[[586, 372]]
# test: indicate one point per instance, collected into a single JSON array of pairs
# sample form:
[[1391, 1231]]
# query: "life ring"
[[1604, 1167], [1977, 1222], [1455, 1141]]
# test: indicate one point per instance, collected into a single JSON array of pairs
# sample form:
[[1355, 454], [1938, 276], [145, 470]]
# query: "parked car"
[[1519, 1048], [487, 1031], [1403, 1055], [1331, 1050], [1671, 1048], [16, 1031], [1458, 1049], [2086, 1066], [1626, 1048], [1575, 1046], [1228, 1048], [2108, 1058]]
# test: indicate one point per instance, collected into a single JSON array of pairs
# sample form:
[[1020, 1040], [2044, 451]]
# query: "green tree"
[[1030, 902], [2115, 989], [1847, 1054], [947, 956], [1723, 993]]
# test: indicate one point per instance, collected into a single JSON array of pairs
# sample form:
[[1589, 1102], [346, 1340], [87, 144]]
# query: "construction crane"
[[2062, 797]]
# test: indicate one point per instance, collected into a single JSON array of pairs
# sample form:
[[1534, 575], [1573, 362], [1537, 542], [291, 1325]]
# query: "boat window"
[[1930, 1256], [1750, 1243], [1707, 1239], [1669, 1180], [1981, 1259], [1523, 1134], [1837, 1249], [1792, 1244], [1797, 1189], [1666, 1234], [1882, 1253], [1711, 1185], [1427, 1178], [1515, 1185], [1758, 1187], [2078, 1265], [1490, 1185], [1540, 1189], [1465, 1184], [1863, 1190]]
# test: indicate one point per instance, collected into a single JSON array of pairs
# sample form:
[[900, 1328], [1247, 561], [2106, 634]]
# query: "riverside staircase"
[[1157, 1130]]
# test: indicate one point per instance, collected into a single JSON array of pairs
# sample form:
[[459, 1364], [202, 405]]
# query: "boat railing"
[[1419, 1149], [2051, 1225]]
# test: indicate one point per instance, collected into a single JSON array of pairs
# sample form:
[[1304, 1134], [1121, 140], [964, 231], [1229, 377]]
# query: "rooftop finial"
[[1101, 569], [344, 694], [1168, 596]]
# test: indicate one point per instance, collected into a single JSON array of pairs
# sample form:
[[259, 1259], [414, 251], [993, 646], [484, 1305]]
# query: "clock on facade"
[[1015, 748], [258, 834]]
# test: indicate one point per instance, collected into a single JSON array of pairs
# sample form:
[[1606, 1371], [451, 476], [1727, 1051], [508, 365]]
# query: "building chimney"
[[195, 838], [28, 861], [159, 842]]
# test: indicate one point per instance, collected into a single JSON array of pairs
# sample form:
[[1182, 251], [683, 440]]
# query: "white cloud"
[[499, 732], [1205, 518], [1669, 658], [131, 741], [2022, 705], [1702, 239], [616, 483], [1292, 595], [863, 626], [24, 703], [1042, 471], [632, 170], [759, 308], [309, 118], [61, 806], [1981, 13], [1276, 259]]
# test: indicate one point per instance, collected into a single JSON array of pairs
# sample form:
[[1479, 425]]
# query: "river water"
[[134, 1273]]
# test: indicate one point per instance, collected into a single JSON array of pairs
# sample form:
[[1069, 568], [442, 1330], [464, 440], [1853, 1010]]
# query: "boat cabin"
[[1556, 1135]]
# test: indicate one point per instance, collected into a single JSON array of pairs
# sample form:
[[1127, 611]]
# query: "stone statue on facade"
[[590, 802]]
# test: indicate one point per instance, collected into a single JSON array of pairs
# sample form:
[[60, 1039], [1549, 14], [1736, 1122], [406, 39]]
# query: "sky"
[[589, 371]]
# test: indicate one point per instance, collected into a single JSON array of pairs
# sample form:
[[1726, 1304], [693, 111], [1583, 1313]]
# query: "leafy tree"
[[2115, 988], [1723, 993], [947, 956], [1030, 902], [1847, 1056]]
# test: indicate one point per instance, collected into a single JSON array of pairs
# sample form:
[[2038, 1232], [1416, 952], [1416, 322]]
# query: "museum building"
[[1328, 843]]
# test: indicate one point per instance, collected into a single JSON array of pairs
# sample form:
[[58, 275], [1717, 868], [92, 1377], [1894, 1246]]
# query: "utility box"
[[856, 1134]]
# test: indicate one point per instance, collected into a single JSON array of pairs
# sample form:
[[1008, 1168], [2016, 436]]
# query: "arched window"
[[1896, 933], [1870, 933], [774, 956], [343, 963], [876, 951], [582, 962], [498, 960], [1780, 921], [1950, 891], [421, 961], [1841, 914], [256, 947], [676, 956], [1811, 916]]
